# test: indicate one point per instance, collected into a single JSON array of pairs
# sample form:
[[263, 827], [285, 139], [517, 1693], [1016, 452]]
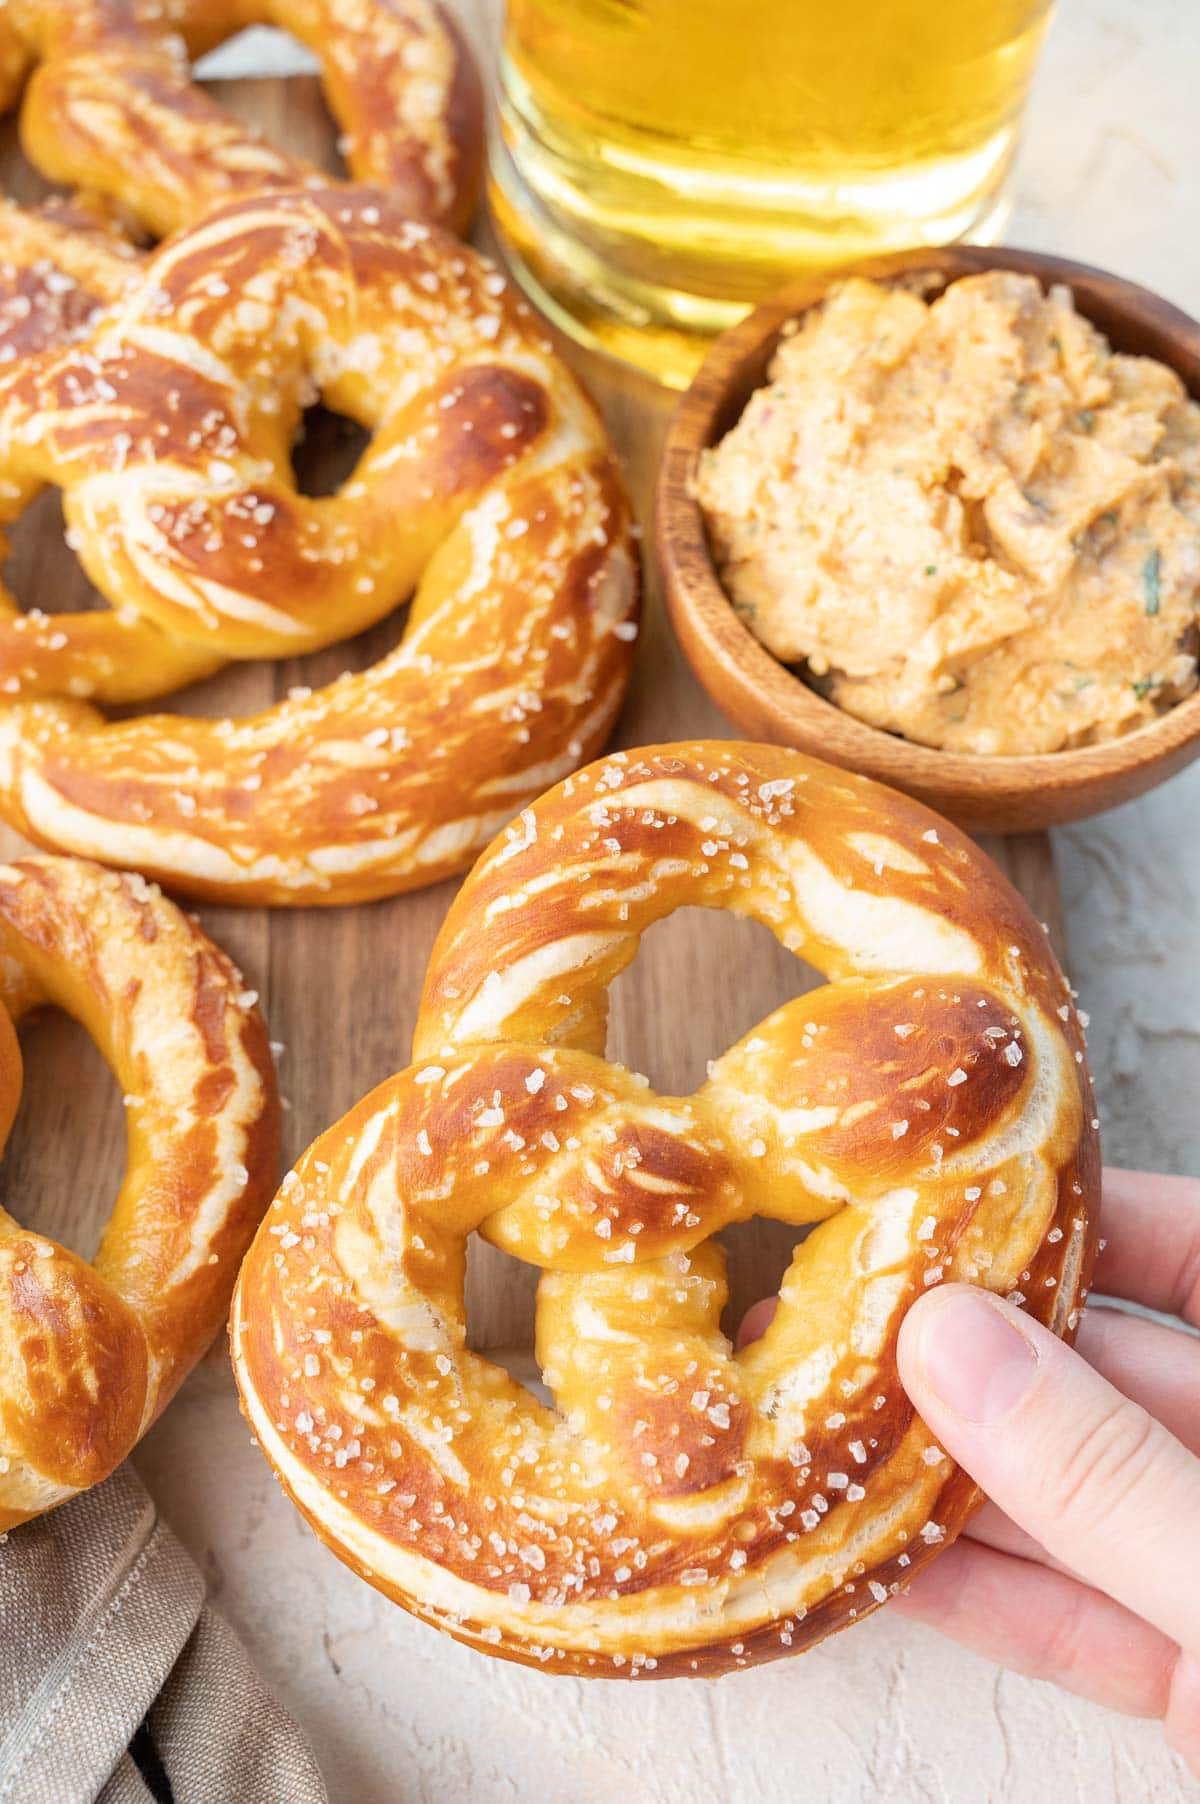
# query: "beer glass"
[[659, 165]]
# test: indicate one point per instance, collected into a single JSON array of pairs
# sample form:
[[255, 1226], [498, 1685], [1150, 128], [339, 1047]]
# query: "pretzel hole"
[[736, 963], [65, 1157], [264, 47], [327, 450], [22, 182], [309, 132], [41, 570], [501, 1299], [757, 1253]]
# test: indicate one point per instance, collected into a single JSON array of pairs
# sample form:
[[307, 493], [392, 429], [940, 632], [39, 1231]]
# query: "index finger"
[[1151, 1230]]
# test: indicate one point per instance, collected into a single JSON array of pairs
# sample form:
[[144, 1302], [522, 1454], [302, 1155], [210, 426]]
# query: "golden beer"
[[661, 164]]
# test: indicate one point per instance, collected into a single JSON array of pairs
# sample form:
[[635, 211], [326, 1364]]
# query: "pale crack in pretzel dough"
[[928, 1113]]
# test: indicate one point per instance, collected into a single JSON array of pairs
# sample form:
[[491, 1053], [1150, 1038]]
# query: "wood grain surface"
[[340, 987]]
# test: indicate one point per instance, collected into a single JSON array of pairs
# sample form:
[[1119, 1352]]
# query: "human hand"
[[1085, 1566]]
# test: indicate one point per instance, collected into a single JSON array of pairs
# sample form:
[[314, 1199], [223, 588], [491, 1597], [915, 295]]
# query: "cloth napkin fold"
[[105, 1639]]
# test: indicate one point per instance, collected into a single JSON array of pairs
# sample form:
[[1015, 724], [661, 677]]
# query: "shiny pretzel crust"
[[489, 487], [108, 103], [682, 1510], [90, 1353]]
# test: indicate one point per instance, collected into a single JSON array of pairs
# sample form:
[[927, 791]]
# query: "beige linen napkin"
[[105, 1636]]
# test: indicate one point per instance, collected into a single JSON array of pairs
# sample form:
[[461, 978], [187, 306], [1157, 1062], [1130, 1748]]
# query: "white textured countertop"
[[889, 1711]]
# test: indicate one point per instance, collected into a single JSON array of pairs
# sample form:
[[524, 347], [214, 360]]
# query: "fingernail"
[[972, 1357]]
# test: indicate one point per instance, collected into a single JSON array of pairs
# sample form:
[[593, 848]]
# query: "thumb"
[[1096, 1480]]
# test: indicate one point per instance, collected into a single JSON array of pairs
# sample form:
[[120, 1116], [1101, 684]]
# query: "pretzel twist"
[[927, 1113], [488, 486], [91, 1352], [108, 102]]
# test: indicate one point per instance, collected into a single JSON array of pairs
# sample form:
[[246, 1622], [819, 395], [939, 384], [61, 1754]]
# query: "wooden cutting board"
[[340, 986]]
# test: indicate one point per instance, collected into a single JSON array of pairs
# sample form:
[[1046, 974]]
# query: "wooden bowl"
[[766, 700]]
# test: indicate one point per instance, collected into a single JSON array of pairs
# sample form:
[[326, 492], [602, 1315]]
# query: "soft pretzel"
[[90, 1353], [681, 1510], [489, 484], [109, 104]]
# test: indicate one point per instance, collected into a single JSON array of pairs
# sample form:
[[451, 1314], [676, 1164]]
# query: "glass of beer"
[[659, 165]]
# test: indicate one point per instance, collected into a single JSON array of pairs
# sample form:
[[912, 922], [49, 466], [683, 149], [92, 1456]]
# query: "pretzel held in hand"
[[90, 1353], [108, 102], [927, 1113], [488, 485]]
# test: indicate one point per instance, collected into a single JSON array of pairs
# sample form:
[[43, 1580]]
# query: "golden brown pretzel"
[[489, 484], [683, 1510], [90, 1353], [109, 103]]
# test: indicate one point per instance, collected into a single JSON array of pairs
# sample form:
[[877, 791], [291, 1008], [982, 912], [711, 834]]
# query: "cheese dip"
[[971, 521]]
